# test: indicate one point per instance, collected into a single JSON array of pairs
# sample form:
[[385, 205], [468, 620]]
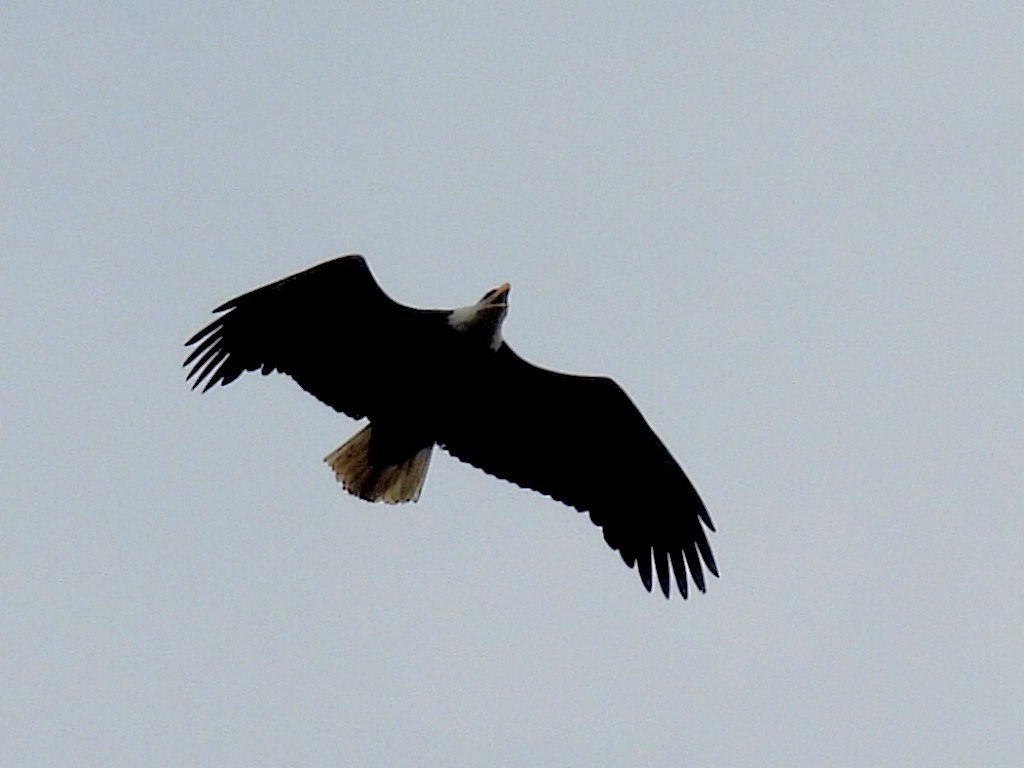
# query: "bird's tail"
[[391, 484]]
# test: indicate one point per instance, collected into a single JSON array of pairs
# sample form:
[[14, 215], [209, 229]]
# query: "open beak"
[[500, 297]]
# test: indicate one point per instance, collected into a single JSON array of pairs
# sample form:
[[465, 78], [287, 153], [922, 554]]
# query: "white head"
[[485, 317]]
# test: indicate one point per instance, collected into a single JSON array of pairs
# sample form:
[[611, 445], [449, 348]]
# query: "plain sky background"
[[791, 230]]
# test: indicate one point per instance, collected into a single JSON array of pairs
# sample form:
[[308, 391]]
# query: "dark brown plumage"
[[430, 376]]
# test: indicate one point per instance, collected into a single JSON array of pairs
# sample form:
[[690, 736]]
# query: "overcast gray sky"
[[791, 230]]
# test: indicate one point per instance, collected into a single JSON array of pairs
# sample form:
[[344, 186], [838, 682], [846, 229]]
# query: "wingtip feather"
[[679, 568], [643, 565], [661, 568], [702, 512], [707, 554]]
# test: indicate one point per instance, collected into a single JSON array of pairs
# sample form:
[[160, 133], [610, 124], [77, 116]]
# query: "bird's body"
[[426, 377]]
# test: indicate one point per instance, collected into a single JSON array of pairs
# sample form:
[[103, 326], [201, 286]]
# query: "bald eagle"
[[445, 377]]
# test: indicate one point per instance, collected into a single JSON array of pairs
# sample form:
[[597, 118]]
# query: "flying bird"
[[446, 377]]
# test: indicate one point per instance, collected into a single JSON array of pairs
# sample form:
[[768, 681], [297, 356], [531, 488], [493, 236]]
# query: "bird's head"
[[485, 317], [496, 297]]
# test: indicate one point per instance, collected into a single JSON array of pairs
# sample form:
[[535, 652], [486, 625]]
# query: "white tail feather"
[[392, 484]]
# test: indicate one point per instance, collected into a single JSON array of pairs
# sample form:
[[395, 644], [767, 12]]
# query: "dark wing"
[[582, 441], [330, 327]]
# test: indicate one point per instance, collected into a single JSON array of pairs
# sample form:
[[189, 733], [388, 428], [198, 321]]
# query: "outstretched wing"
[[582, 441], [330, 327]]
